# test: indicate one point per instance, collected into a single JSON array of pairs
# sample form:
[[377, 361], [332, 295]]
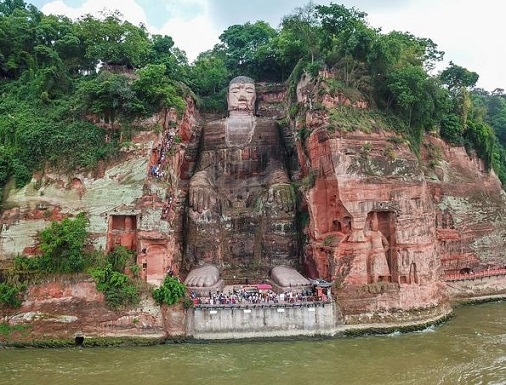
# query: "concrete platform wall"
[[261, 321]]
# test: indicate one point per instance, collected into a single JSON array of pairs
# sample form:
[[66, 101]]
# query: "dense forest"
[[58, 75]]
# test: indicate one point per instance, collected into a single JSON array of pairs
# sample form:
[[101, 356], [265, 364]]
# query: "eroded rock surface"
[[382, 225]]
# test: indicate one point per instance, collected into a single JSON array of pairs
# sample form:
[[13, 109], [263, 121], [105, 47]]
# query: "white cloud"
[[193, 36]]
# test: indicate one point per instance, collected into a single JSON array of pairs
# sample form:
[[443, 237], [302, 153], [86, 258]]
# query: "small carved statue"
[[377, 264]]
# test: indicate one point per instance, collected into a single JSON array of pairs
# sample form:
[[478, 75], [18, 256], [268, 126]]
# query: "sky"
[[470, 32]]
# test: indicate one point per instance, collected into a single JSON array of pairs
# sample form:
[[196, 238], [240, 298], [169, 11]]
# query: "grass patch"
[[349, 119]]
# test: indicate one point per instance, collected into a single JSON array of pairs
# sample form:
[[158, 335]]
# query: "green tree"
[[209, 79], [156, 90], [113, 41], [63, 245], [304, 27], [419, 100], [407, 85], [289, 50], [248, 50], [209, 73], [394, 51], [111, 97], [456, 78], [482, 138], [164, 52], [17, 37], [61, 34], [495, 113], [458, 81], [170, 292], [345, 31]]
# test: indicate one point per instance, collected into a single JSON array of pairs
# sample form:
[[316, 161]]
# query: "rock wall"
[[479, 288], [134, 201], [381, 223], [65, 307], [470, 210]]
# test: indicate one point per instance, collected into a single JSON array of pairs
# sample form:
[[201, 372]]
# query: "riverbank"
[[55, 322], [479, 300], [8, 338]]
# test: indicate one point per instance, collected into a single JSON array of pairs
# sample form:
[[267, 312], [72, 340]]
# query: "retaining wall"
[[254, 321]]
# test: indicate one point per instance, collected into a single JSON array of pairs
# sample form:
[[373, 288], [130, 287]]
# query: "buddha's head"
[[241, 96]]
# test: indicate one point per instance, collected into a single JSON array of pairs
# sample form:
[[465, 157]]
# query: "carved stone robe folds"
[[242, 158]]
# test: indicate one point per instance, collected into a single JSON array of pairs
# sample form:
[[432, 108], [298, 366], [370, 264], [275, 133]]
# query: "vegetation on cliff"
[[120, 290], [72, 90], [64, 248], [170, 292]]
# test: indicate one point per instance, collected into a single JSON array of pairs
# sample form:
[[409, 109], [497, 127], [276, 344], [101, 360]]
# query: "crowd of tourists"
[[157, 167], [253, 296], [167, 206]]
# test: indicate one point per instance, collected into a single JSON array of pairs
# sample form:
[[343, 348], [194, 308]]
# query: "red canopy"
[[264, 286]]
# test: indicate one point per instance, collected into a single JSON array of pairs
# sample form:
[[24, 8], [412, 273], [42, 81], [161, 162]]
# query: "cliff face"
[[385, 225], [381, 223], [470, 209]]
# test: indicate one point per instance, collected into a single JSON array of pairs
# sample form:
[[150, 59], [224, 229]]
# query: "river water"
[[469, 349]]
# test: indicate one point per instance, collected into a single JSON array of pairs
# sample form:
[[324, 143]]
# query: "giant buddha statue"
[[241, 205]]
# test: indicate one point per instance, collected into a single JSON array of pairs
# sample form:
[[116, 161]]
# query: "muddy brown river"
[[469, 349]]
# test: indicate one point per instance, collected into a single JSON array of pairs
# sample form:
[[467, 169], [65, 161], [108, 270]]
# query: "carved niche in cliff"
[[122, 231]]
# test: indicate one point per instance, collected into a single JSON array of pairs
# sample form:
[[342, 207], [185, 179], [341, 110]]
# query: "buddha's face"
[[241, 97]]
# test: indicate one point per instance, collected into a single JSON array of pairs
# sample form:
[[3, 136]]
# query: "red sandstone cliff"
[[381, 223]]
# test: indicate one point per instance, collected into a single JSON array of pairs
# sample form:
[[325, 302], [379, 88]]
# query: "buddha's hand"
[[282, 196], [201, 195]]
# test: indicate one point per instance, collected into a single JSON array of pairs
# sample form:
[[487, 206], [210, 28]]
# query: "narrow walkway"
[[478, 274]]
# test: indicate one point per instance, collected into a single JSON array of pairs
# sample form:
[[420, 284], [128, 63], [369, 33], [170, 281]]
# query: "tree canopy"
[[58, 77]]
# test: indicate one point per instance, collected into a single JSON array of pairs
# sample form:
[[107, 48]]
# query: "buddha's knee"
[[281, 197]]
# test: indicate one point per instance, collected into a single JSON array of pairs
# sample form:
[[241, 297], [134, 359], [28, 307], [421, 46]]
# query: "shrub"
[[118, 288], [63, 248], [10, 294], [119, 257], [171, 291], [62, 245]]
